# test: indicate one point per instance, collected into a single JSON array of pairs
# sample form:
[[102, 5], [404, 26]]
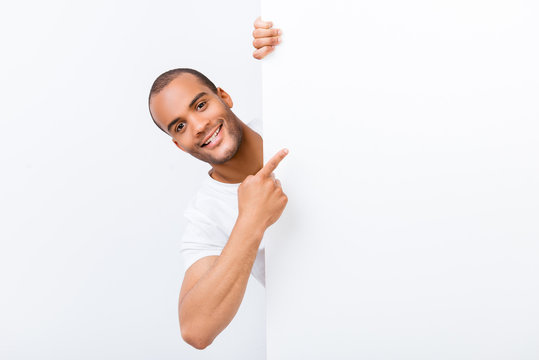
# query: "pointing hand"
[[261, 199]]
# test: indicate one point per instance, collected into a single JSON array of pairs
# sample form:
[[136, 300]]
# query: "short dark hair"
[[167, 77]]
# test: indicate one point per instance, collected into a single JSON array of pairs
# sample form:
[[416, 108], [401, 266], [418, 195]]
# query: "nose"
[[199, 125]]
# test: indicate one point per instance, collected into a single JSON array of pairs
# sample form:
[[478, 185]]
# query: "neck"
[[247, 161]]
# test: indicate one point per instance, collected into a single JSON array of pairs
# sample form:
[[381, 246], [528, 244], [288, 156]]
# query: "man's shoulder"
[[256, 125]]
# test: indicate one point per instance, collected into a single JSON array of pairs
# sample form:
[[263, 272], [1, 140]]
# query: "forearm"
[[212, 303]]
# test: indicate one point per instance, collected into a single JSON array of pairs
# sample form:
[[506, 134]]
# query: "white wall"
[[411, 230], [92, 193]]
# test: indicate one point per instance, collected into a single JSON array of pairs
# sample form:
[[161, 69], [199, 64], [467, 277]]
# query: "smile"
[[213, 136]]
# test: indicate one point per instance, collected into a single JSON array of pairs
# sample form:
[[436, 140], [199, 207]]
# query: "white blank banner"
[[412, 228]]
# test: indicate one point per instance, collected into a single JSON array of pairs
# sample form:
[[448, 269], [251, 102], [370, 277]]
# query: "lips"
[[212, 137]]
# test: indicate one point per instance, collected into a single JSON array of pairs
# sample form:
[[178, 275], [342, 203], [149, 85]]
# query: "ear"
[[178, 145], [225, 97]]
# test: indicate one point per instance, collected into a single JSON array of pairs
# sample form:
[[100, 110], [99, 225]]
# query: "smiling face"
[[199, 120]]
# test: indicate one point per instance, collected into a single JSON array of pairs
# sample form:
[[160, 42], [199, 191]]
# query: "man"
[[241, 198]]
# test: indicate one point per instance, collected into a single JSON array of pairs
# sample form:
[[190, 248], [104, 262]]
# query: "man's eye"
[[201, 105], [180, 126]]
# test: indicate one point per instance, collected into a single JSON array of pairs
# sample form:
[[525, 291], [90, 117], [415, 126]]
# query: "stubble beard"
[[235, 131]]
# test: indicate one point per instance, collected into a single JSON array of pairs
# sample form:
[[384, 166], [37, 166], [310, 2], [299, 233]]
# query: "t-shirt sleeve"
[[256, 125], [201, 238]]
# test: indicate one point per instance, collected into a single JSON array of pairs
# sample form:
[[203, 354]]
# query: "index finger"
[[272, 163], [260, 24]]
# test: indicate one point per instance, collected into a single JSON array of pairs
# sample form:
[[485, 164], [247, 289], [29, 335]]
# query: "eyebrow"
[[195, 99]]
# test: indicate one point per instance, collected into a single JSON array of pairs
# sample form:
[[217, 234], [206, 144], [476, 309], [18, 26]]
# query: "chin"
[[226, 156], [236, 134]]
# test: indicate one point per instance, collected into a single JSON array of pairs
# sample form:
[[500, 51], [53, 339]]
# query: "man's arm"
[[214, 286]]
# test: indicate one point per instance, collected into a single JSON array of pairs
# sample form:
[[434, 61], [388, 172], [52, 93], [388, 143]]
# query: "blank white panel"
[[412, 227]]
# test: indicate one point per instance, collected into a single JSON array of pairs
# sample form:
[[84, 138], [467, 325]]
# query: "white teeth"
[[213, 136]]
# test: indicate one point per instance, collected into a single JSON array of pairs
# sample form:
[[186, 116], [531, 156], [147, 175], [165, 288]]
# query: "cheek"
[[178, 144], [183, 141], [213, 111]]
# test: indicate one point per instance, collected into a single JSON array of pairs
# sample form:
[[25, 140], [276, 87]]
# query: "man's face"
[[199, 121]]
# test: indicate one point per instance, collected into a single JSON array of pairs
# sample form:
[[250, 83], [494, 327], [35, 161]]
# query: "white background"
[[92, 193], [411, 230]]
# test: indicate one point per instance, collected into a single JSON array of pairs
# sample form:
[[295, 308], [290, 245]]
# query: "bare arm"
[[214, 286], [218, 285]]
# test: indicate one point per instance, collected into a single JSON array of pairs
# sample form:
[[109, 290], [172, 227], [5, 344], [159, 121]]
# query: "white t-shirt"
[[211, 215]]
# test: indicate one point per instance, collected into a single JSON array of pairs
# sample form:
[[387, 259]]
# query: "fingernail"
[[286, 151], [278, 40], [279, 32]]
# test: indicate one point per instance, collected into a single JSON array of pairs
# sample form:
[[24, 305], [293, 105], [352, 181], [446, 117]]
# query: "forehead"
[[173, 100]]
